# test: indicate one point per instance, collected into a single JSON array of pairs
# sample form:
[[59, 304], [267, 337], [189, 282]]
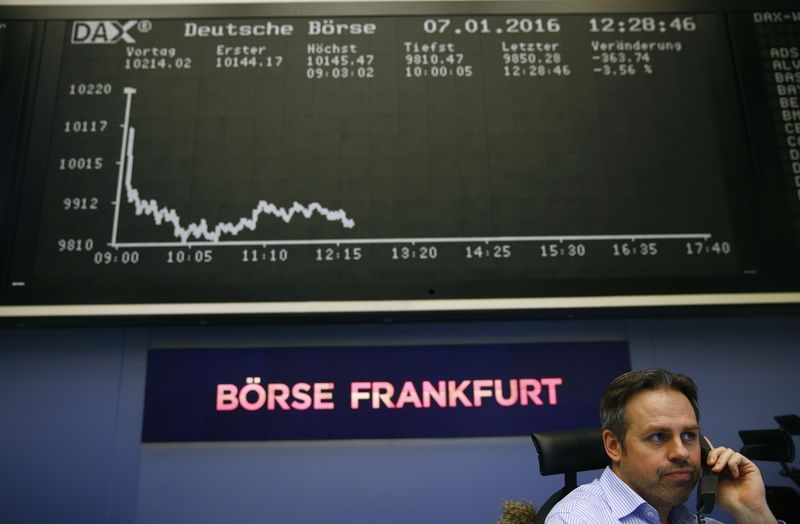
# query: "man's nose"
[[677, 450]]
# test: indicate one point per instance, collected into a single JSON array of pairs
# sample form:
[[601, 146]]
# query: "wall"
[[72, 403]]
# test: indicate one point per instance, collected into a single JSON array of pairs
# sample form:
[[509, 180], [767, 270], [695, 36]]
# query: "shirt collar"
[[624, 501], [681, 514], [621, 498]]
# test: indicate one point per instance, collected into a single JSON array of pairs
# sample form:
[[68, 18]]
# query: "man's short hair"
[[622, 388]]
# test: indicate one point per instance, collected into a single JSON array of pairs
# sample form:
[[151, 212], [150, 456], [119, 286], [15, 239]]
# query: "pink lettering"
[[513, 393], [261, 397], [479, 391], [302, 398], [524, 384], [450, 393], [382, 392], [408, 394], [277, 393], [551, 384], [438, 395], [226, 397], [323, 394], [457, 393], [357, 394]]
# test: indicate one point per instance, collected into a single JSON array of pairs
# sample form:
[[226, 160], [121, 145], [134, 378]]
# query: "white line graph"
[[200, 234], [198, 231]]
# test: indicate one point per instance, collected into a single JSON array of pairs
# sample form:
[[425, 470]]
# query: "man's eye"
[[689, 436], [657, 437]]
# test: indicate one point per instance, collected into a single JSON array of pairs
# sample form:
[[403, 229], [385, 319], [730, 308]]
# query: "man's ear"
[[613, 446]]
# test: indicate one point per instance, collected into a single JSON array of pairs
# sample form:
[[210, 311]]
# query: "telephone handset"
[[707, 487]]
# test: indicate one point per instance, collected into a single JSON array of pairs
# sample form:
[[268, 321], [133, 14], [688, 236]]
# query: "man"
[[651, 434]]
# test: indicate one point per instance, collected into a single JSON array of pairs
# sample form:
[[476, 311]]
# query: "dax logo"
[[102, 32]]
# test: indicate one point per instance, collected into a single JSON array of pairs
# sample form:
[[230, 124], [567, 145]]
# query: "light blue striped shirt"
[[608, 500]]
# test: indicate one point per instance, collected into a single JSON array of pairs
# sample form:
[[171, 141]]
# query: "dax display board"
[[386, 157]]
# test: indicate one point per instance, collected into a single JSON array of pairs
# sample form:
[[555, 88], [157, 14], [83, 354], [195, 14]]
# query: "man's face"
[[661, 456]]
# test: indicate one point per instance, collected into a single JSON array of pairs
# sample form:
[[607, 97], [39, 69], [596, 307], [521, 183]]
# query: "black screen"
[[463, 153]]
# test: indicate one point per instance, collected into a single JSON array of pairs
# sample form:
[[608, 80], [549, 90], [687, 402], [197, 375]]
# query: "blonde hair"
[[517, 512]]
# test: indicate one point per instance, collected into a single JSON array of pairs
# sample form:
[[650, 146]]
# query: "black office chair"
[[777, 445], [568, 452]]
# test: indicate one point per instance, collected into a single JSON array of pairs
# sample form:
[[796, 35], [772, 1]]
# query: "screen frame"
[[648, 302]]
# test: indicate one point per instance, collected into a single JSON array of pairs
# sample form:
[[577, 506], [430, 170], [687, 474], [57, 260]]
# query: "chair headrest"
[[570, 450], [767, 444]]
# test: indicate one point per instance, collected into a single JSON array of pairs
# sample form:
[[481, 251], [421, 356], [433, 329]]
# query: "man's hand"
[[741, 488]]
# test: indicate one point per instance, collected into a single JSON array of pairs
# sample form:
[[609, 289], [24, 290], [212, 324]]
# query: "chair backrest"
[[567, 452], [775, 445]]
